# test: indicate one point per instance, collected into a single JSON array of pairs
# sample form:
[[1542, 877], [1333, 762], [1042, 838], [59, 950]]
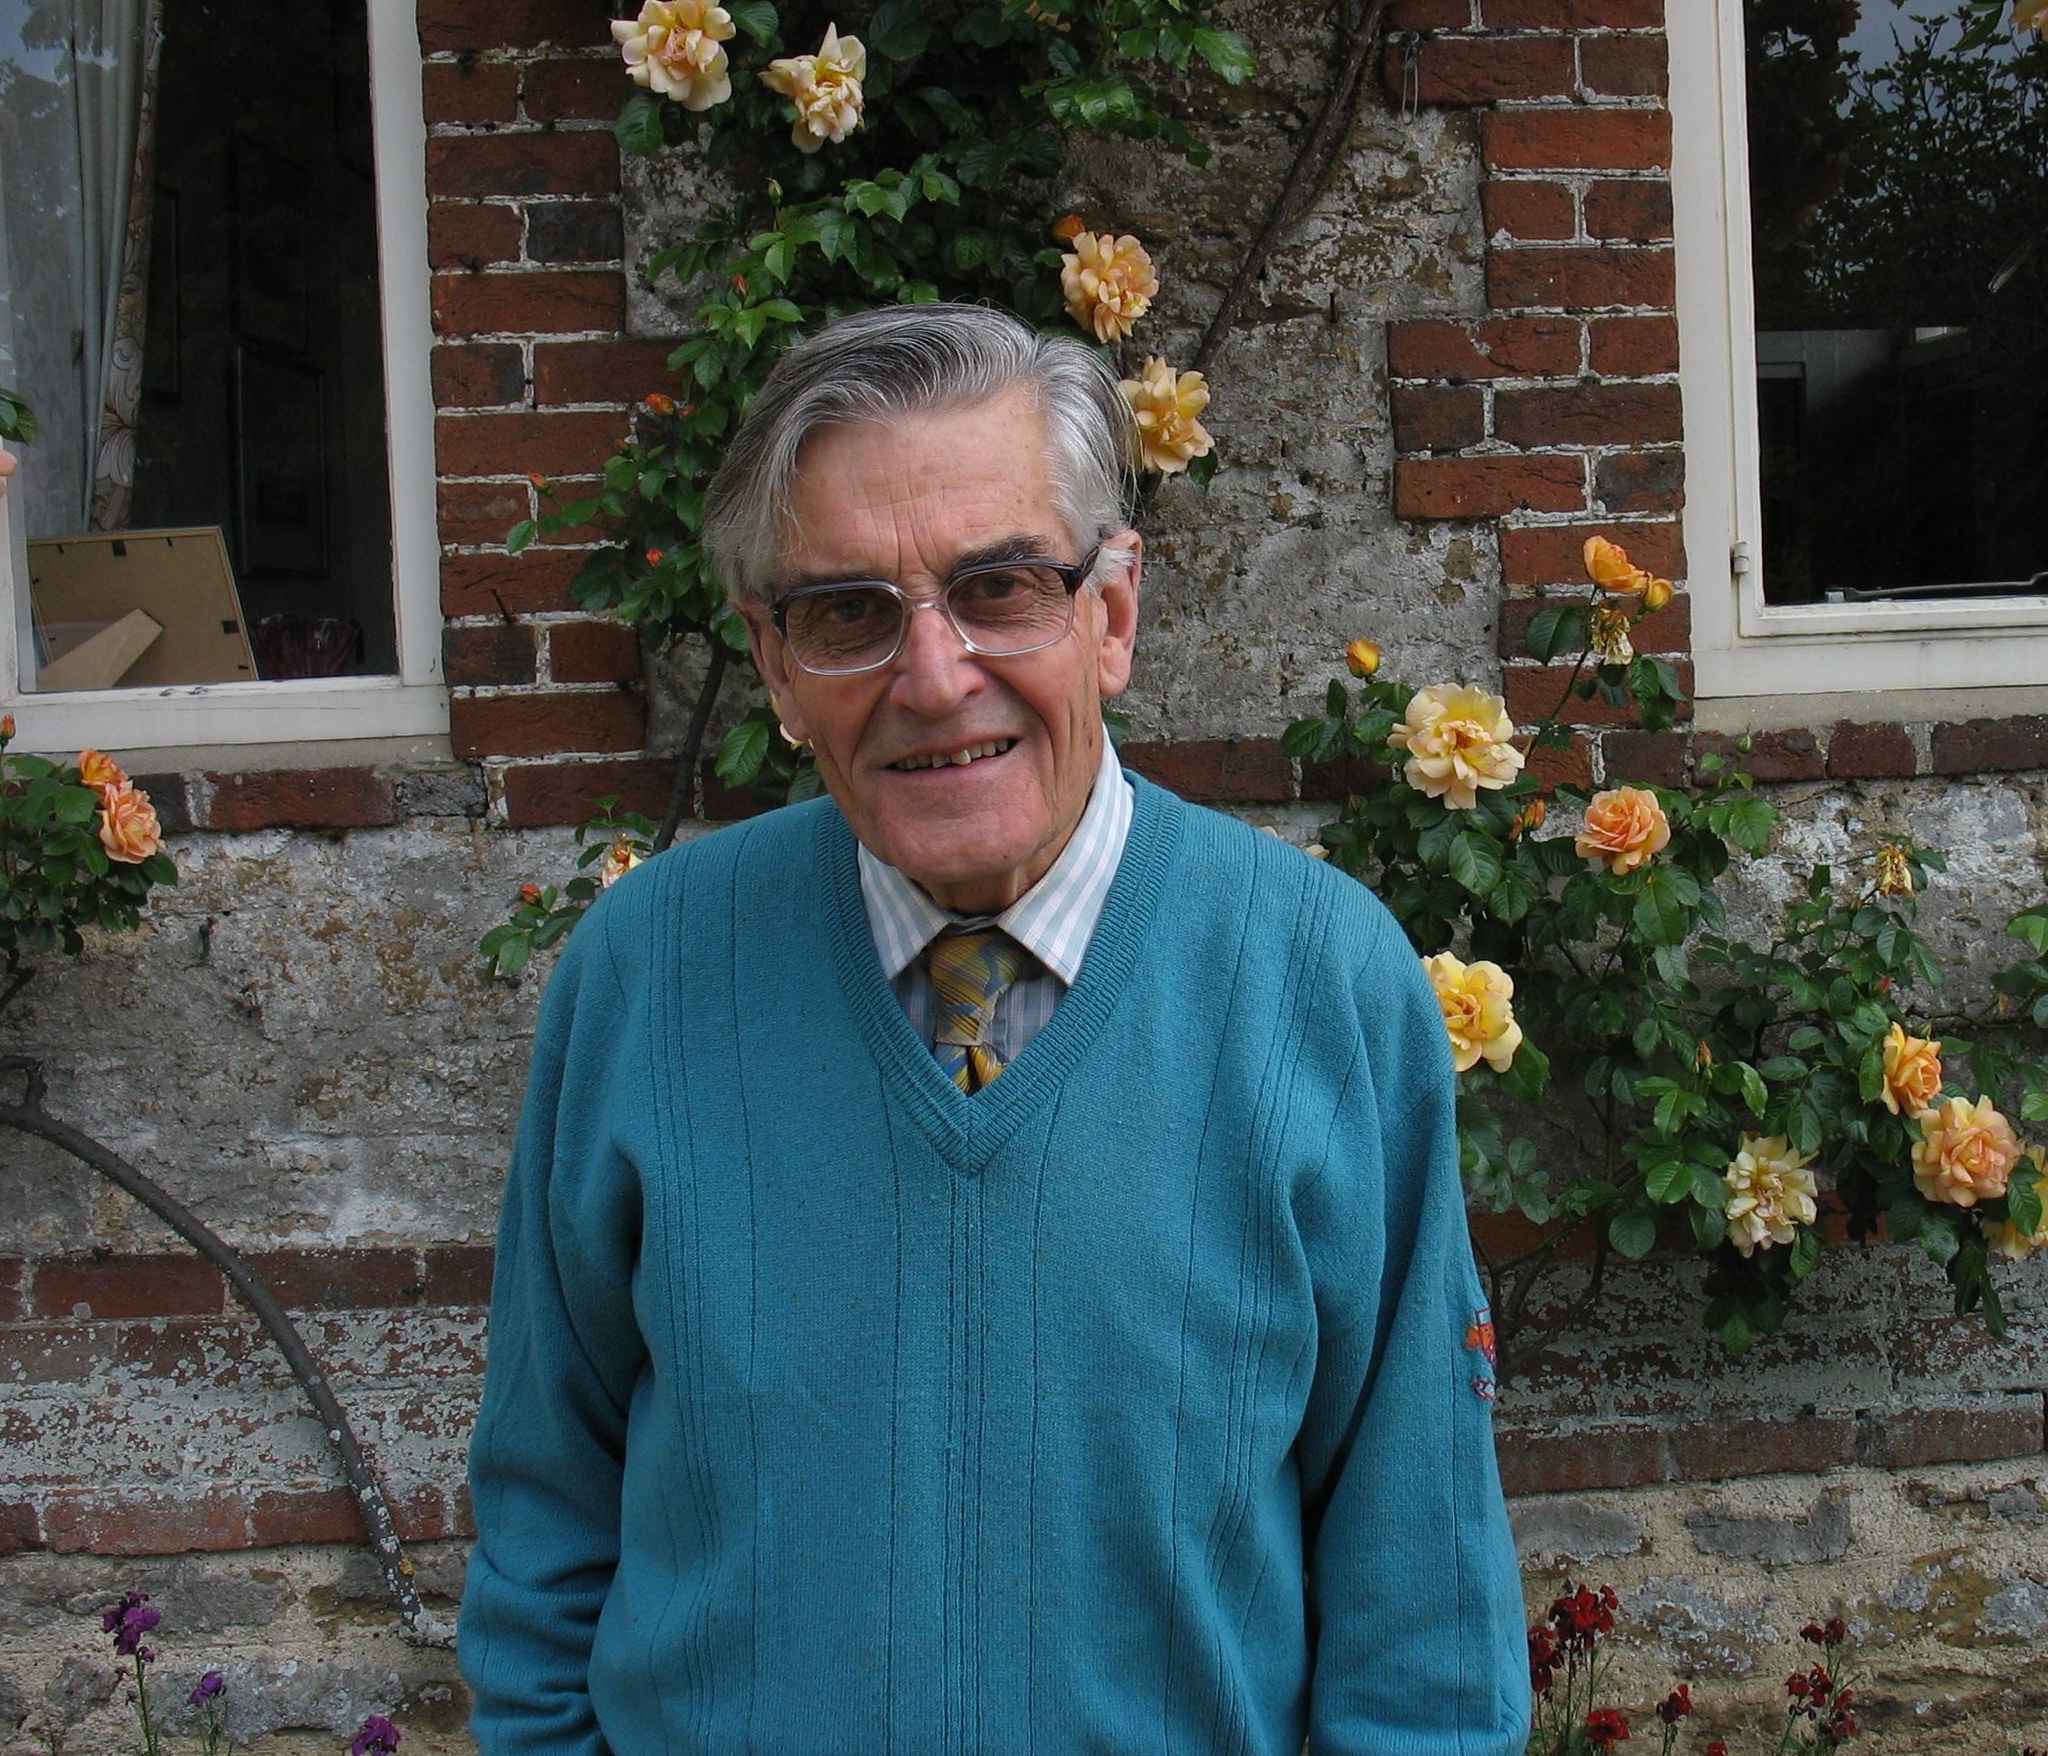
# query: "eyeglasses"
[[999, 611]]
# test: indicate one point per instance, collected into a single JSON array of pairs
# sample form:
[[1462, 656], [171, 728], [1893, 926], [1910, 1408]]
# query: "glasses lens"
[[843, 628], [1010, 608]]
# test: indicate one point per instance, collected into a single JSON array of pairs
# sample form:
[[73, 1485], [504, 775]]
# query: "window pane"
[[1900, 216]]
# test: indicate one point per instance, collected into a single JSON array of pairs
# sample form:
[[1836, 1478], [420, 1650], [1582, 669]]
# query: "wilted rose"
[[128, 826], [1965, 1152], [1165, 406], [1912, 1072], [1625, 826], [619, 859], [673, 49], [1609, 635], [1458, 740], [1362, 658], [1478, 1012], [825, 88], [97, 769], [1894, 875], [1108, 283], [1770, 1193], [1608, 566]]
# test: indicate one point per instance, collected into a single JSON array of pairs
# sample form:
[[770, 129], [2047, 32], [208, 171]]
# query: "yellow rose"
[[825, 88], [1362, 658], [97, 769], [1912, 1072], [1458, 740], [672, 49], [1656, 594], [1965, 1152], [1625, 826], [1770, 1193], [1165, 404], [128, 826], [2030, 15], [1108, 284], [1475, 998], [1608, 566]]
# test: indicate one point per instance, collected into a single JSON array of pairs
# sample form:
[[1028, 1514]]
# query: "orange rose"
[[6, 725], [97, 769], [1608, 566], [659, 402], [128, 826], [1624, 827], [1965, 1153], [1912, 1073], [1362, 658], [529, 893], [1070, 228]]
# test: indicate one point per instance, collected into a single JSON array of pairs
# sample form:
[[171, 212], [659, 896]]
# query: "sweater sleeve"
[[565, 1353], [1414, 1593]]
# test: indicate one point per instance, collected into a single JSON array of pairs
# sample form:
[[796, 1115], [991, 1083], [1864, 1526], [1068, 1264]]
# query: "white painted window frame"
[[414, 702], [1741, 645]]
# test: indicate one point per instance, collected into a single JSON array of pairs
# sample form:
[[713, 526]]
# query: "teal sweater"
[[1134, 1404]]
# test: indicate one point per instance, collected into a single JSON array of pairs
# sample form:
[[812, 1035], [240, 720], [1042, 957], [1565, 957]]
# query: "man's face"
[[905, 502]]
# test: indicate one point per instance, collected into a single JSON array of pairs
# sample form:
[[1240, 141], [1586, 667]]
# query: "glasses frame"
[[1072, 575]]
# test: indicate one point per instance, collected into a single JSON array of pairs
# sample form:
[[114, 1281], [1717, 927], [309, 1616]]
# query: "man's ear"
[[1119, 617], [772, 662]]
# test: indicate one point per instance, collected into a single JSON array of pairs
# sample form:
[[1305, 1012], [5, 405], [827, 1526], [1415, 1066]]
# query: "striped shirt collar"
[[1053, 920]]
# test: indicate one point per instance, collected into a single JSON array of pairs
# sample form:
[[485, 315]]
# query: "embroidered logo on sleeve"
[[1479, 1339]]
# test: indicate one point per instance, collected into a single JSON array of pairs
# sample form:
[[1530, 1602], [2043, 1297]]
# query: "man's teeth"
[[959, 758]]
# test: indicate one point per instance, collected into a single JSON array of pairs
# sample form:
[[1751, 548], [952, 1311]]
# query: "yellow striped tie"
[[970, 972]]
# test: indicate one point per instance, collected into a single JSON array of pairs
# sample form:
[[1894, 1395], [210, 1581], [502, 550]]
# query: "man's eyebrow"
[[1015, 546]]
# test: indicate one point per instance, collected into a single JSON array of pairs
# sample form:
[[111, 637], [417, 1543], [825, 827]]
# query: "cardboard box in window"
[[86, 591]]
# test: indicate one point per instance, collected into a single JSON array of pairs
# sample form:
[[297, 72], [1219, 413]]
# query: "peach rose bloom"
[[673, 49], [1965, 1152], [2030, 15], [1108, 283], [1608, 566], [825, 88], [1625, 826], [1912, 1073], [1458, 740], [1165, 404], [1362, 658], [97, 769], [128, 826], [1475, 998], [1770, 1193]]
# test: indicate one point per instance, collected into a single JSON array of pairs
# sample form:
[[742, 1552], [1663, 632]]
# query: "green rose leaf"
[[1633, 1233], [1475, 862], [757, 19], [638, 131]]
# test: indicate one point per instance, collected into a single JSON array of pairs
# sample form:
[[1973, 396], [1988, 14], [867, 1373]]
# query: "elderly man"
[[983, 1266]]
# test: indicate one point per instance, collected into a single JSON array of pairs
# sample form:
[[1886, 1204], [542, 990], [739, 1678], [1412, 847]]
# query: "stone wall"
[[1462, 361]]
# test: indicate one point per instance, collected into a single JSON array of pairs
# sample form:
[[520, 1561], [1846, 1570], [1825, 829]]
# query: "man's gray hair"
[[877, 366]]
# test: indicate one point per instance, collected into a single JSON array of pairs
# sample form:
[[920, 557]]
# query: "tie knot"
[[970, 973]]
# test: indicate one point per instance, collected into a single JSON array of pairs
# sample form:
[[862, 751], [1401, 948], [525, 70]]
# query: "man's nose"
[[934, 672]]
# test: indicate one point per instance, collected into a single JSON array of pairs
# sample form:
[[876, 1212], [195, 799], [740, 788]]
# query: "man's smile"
[[958, 757]]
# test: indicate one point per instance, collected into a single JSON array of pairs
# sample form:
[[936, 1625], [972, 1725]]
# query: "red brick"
[[1429, 15], [1625, 67], [547, 725], [302, 798], [1668, 630], [561, 491], [1793, 754], [480, 512], [582, 90], [567, 792], [1432, 418], [720, 803], [453, 26], [462, 1520], [1870, 752], [19, 1529], [551, 444], [1588, 414], [129, 1286], [1533, 693], [2008, 1428], [574, 231], [1659, 759], [467, 233], [1555, 554], [1633, 1454], [1633, 347], [1559, 765], [1579, 279], [483, 585], [478, 377], [1480, 70], [601, 371], [1341, 778], [1991, 746], [65, 1352], [1572, 14], [593, 652], [1713, 1450], [523, 164], [1529, 210], [459, 1274], [305, 1515], [422, 1515], [1486, 487], [1502, 347], [1534, 1460], [340, 1280], [470, 91], [99, 1525], [1576, 139], [1216, 770], [184, 1351], [13, 1289], [529, 301], [1637, 211], [504, 652], [1640, 481]]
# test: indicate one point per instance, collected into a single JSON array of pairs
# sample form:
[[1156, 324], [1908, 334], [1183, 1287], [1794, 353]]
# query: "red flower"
[[1543, 1657], [1719, 1747], [1581, 1618], [1605, 1728], [1676, 1705], [1831, 1633]]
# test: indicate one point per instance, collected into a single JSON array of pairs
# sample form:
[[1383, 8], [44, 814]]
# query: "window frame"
[[1741, 645], [412, 703]]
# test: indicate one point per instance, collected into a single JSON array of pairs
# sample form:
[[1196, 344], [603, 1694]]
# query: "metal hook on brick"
[[1411, 75]]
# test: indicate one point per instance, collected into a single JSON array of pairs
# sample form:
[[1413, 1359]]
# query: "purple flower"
[[379, 1737], [128, 1621], [207, 1688]]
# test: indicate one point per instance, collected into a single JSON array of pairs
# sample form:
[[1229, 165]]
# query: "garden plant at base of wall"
[[1718, 1074]]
